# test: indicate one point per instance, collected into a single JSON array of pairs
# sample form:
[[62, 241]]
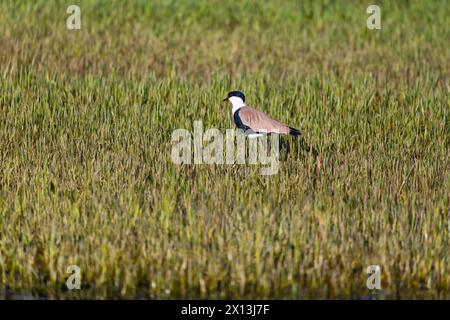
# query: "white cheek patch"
[[237, 103]]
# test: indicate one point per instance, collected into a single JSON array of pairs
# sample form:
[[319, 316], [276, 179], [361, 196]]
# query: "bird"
[[255, 123]]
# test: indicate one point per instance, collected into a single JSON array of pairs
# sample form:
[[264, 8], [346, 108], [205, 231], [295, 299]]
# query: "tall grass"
[[85, 140]]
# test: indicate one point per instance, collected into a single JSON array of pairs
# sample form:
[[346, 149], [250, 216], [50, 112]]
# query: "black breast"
[[238, 121]]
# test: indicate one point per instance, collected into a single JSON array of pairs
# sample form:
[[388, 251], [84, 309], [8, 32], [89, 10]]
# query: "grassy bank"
[[86, 177]]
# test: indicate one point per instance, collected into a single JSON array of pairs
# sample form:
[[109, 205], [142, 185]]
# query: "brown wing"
[[260, 122]]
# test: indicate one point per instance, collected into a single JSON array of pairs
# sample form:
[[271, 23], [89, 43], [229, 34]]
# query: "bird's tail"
[[294, 132]]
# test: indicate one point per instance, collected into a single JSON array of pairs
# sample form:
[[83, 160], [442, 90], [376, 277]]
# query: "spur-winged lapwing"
[[254, 122]]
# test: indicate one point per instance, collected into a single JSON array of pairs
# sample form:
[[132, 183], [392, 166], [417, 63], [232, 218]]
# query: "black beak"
[[225, 99]]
